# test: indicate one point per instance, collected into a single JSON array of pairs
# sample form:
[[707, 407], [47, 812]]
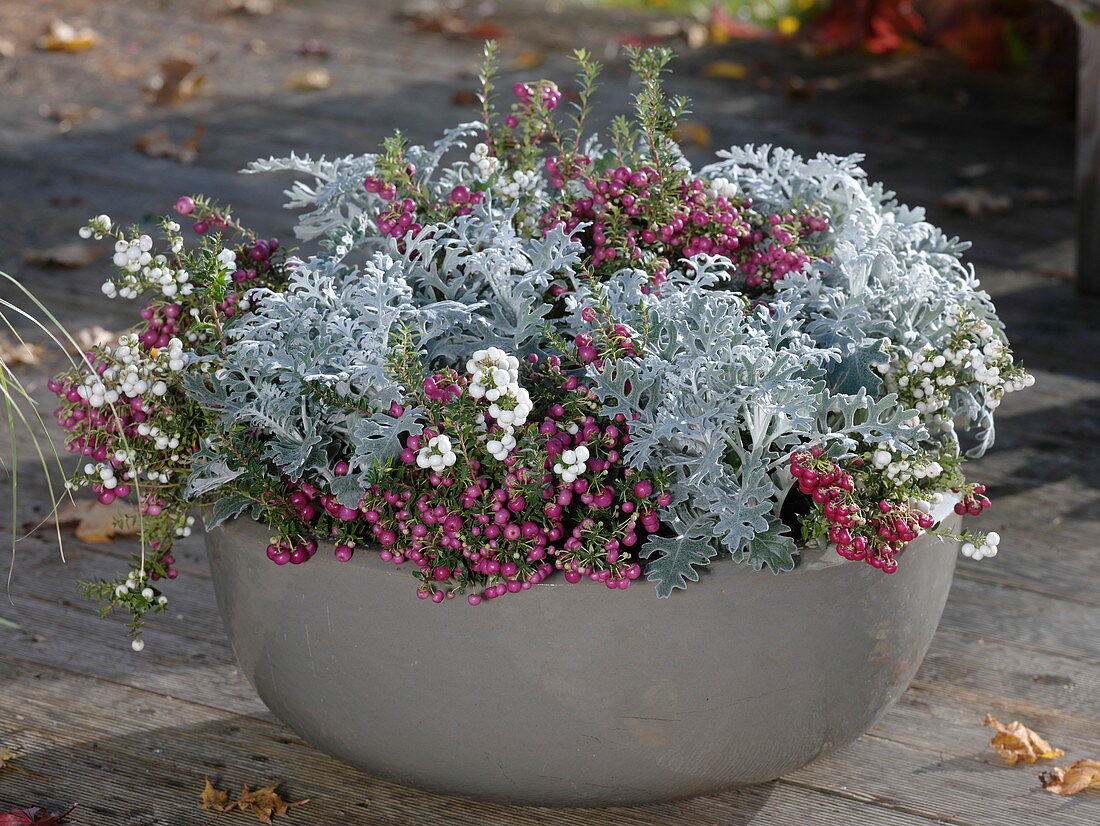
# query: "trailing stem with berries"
[[126, 411]]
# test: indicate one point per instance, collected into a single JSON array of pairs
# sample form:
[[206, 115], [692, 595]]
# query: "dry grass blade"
[[14, 398]]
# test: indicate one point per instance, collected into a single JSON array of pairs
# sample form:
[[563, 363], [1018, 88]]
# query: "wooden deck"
[[129, 738]]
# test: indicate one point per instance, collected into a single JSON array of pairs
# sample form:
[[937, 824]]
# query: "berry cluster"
[[972, 355], [404, 215], [499, 489], [872, 532], [973, 500], [633, 216]]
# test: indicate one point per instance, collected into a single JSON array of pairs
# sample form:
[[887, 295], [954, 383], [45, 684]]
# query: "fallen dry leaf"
[[975, 200], [265, 803], [433, 17], [6, 756], [693, 132], [1056, 272], [1039, 196], [176, 80], [309, 80], [7, 48], [215, 800], [159, 143], [727, 69], [1016, 742], [96, 522], [485, 30], [94, 336], [67, 115], [528, 59], [1078, 777], [694, 32], [16, 352], [256, 8], [60, 36], [70, 255], [34, 816]]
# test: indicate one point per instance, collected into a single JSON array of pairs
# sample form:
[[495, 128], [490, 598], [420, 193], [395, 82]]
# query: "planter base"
[[573, 695]]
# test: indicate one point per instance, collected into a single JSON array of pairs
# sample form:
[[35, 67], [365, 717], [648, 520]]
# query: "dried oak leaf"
[[94, 336], [693, 132], [96, 522], [1078, 777], [435, 18], [68, 115], [265, 803], [528, 59], [1016, 742], [176, 80], [215, 800], [60, 36], [312, 79], [975, 200], [18, 352], [6, 756], [72, 255], [34, 816], [256, 8], [159, 143], [727, 69]]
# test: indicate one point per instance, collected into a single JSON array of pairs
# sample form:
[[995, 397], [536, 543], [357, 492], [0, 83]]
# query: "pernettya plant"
[[523, 352]]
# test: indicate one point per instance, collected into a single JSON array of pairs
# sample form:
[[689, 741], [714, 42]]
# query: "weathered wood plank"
[[1012, 616], [115, 742], [1088, 159], [173, 665]]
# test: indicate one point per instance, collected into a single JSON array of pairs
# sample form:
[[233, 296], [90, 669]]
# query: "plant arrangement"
[[523, 352]]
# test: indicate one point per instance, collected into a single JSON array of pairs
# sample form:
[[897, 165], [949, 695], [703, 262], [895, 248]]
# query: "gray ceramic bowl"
[[570, 695]]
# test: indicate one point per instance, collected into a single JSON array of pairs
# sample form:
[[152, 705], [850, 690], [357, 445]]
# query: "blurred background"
[[962, 105]]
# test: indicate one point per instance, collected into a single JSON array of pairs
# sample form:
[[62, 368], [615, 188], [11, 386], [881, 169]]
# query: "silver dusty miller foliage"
[[721, 394]]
